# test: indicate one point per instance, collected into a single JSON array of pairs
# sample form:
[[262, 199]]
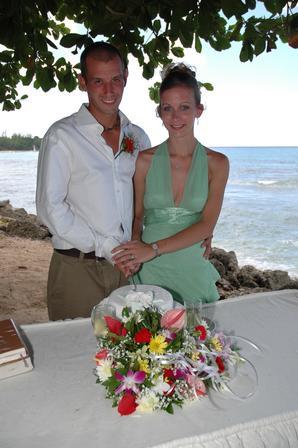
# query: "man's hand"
[[128, 271]]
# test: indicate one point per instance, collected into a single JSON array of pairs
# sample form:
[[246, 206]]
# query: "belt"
[[78, 254]]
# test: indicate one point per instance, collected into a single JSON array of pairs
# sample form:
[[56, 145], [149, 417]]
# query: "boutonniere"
[[128, 145]]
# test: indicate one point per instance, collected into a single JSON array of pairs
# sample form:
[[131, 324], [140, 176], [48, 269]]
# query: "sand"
[[24, 265]]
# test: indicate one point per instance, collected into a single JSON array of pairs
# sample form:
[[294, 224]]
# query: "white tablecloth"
[[58, 404]]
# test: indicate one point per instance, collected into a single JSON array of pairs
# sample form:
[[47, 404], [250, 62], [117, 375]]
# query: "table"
[[59, 404]]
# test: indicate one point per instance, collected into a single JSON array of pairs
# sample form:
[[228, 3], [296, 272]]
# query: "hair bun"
[[178, 67]]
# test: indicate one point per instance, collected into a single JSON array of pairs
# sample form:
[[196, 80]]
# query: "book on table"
[[14, 355]]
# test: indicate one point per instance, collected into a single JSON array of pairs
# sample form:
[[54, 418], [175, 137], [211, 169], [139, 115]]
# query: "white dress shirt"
[[84, 192]]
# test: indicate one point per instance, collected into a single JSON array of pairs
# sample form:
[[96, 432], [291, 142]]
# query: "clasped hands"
[[129, 256]]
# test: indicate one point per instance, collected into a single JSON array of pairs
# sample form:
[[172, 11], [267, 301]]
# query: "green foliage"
[[153, 32], [19, 142]]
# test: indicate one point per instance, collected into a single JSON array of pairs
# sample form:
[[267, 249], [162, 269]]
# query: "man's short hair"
[[102, 51]]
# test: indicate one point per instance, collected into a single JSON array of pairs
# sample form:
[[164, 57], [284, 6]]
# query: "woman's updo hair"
[[179, 74]]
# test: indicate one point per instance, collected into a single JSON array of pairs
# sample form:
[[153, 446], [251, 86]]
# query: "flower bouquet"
[[149, 361]]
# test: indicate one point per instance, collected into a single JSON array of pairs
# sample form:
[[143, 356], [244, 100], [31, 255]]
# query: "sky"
[[252, 104]]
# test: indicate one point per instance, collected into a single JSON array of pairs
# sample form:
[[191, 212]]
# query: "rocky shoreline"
[[235, 280]]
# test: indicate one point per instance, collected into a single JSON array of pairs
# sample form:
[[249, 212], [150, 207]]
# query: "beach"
[[23, 277]]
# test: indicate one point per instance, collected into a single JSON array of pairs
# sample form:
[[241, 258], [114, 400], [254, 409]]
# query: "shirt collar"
[[85, 118]]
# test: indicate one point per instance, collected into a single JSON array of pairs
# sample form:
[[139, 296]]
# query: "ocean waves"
[[266, 183], [260, 211]]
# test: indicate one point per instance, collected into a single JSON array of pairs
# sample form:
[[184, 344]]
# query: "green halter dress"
[[184, 273]]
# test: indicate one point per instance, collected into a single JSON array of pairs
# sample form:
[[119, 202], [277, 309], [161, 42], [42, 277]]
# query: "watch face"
[[155, 248]]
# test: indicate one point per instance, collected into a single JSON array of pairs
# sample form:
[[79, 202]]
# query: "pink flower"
[[174, 319], [197, 384], [130, 381], [127, 405]]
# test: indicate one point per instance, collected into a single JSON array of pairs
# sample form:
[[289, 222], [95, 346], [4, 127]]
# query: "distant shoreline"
[[18, 150]]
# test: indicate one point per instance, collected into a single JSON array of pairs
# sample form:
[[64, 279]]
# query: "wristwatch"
[[156, 249]]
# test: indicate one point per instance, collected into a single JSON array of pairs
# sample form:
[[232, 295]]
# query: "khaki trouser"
[[75, 285]]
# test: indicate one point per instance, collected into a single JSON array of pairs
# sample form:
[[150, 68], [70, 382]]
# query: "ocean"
[[259, 218]]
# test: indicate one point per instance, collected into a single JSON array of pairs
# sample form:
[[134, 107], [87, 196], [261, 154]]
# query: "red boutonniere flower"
[[128, 145]]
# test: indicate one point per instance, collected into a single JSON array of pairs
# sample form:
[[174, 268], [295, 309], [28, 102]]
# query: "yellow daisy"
[[158, 345], [195, 356], [144, 365], [216, 344]]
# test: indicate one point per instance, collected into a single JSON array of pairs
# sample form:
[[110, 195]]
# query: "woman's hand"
[[127, 255], [207, 245]]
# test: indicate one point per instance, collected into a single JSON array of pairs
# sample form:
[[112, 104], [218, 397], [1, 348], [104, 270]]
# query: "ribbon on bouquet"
[[198, 368]]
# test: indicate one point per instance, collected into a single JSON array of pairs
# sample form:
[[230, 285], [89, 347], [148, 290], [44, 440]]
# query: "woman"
[[179, 189]]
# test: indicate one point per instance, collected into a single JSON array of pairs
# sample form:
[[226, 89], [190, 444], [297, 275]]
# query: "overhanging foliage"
[[153, 31]]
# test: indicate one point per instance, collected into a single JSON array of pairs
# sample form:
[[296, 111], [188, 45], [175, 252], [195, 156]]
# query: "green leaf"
[[250, 3], [170, 409], [274, 6], [260, 45], [154, 92], [70, 40], [198, 44], [148, 70], [7, 105], [51, 44], [156, 25], [233, 8], [60, 62], [246, 53], [45, 77], [178, 52], [207, 86], [6, 56]]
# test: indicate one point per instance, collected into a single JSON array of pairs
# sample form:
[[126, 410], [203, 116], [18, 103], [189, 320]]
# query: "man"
[[84, 187]]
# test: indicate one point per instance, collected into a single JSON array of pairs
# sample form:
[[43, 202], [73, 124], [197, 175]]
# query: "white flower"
[[104, 370], [160, 386], [148, 402]]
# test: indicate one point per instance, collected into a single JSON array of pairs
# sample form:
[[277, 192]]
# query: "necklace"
[[116, 125]]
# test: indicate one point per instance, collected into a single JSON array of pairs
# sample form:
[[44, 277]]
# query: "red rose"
[[143, 336], [127, 405], [220, 364], [202, 330], [102, 354], [128, 145], [114, 325]]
